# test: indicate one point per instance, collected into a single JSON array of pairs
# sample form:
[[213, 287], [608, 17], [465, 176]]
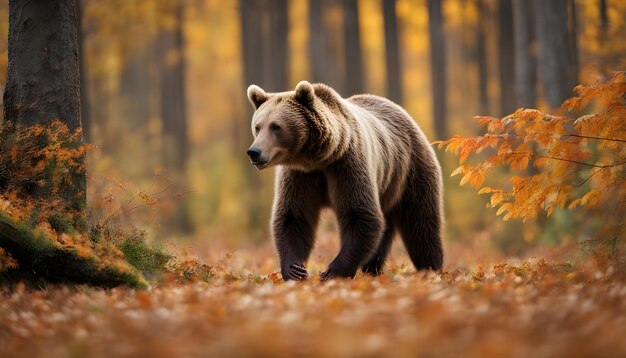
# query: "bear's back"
[[392, 116], [395, 139]]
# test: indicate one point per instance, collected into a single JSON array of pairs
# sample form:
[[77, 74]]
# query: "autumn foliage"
[[555, 162], [43, 236], [513, 307], [34, 169]]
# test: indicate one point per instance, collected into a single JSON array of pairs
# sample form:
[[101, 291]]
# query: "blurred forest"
[[163, 92], [168, 253]]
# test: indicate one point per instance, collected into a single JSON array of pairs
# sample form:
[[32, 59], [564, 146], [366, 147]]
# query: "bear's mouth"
[[260, 165]]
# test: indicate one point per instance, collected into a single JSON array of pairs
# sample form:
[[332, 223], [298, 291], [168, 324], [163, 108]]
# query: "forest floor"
[[482, 304]]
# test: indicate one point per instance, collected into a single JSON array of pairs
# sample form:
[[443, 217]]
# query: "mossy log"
[[39, 258]]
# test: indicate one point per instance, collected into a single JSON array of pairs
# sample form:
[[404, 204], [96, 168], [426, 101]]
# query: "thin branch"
[[598, 138], [589, 177], [534, 133], [569, 160]]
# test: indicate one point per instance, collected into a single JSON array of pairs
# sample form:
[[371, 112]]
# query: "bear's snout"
[[254, 153]]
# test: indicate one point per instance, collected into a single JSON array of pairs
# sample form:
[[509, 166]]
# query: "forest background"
[[173, 238], [163, 95]]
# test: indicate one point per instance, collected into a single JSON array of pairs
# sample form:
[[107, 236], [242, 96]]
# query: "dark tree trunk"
[[438, 67], [482, 57], [43, 78], [506, 57], [556, 66], [173, 111], [317, 53], [525, 56], [323, 56], [252, 41], [604, 20], [392, 52], [352, 46], [279, 44], [43, 82], [175, 144], [85, 111], [573, 37], [253, 60], [135, 84]]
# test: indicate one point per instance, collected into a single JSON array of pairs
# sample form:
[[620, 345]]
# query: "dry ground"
[[482, 305]]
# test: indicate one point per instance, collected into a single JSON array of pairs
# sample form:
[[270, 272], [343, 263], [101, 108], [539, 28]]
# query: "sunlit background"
[[164, 96]]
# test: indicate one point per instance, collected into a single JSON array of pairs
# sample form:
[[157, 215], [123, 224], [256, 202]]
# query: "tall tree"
[[573, 35], [279, 44], [604, 19], [252, 41], [135, 84], [324, 58], [352, 46], [392, 52], [84, 93], [172, 104], [317, 55], [506, 57], [437, 66], [525, 54], [254, 65], [556, 67], [43, 80], [481, 58]]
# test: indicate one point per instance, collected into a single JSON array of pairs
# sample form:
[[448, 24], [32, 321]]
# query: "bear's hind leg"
[[420, 225], [360, 234], [374, 265]]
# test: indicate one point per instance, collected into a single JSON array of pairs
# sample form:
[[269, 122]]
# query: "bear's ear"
[[257, 96], [305, 93]]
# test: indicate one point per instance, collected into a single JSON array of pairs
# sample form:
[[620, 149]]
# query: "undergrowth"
[[46, 237]]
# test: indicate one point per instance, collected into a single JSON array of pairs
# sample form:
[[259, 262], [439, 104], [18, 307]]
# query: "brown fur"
[[366, 159]]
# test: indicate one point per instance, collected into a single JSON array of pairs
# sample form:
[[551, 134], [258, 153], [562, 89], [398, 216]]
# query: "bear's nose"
[[254, 153]]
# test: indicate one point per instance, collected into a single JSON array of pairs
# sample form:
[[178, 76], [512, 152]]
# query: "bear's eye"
[[257, 129], [274, 127]]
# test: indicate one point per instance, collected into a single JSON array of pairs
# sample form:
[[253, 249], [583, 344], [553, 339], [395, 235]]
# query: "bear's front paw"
[[336, 271], [295, 271]]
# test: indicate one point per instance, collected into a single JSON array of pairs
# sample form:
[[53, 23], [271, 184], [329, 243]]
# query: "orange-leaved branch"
[[578, 162]]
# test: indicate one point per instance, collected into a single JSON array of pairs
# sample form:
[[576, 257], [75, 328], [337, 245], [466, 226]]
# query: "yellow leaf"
[[574, 203], [540, 161], [465, 179], [459, 170], [503, 208], [496, 198], [477, 179], [523, 163]]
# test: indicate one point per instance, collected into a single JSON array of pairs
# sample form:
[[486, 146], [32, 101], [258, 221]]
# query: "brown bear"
[[365, 158]]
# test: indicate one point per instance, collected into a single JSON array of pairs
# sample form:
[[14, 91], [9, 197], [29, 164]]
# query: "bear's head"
[[285, 124]]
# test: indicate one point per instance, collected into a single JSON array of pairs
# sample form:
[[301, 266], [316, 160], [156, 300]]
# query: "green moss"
[[95, 234], [150, 261], [40, 260], [62, 223]]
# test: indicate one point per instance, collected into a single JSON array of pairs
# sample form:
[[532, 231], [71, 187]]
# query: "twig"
[[598, 138], [570, 161]]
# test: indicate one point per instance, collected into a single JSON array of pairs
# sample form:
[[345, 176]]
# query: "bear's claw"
[[297, 272], [326, 275], [336, 273], [372, 269]]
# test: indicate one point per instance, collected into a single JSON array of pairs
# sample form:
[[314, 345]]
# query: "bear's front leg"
[[299, 199], [294, 242]]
